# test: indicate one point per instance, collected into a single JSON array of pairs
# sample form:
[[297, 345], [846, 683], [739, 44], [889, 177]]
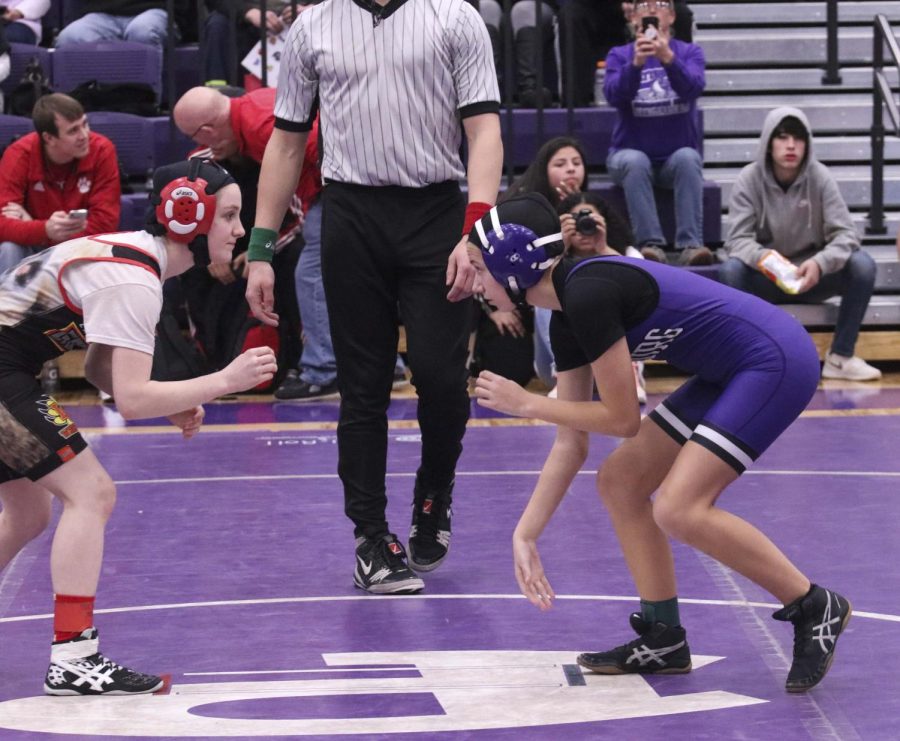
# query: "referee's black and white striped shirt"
[[392, 82]]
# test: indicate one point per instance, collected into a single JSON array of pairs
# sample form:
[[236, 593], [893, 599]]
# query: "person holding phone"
[[588, 29], [654, 83], [58, 183]]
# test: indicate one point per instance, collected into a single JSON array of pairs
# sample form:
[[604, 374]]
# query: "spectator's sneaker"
[[293, 387], [660, 649], [655, 253], [696, 256], [381, 567], [819, 618], [640, 385], [429, 534], [78, 668], [850, 369]]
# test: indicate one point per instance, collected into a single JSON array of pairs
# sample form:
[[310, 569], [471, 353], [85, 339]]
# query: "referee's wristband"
[[262, 244], [474, 211]]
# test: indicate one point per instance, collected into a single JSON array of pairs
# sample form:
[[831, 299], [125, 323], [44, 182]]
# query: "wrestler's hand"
[[188, 421], [500, 394], [530, 573]]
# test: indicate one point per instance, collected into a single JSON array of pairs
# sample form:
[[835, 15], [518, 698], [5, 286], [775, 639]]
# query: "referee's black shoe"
[[819, 618], [659, 649], [429, 534], [381, 567]]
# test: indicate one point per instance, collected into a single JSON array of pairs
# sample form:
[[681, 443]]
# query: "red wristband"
[[474, 211]]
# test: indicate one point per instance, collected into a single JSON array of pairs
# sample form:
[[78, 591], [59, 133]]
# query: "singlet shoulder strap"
[[124, 252]]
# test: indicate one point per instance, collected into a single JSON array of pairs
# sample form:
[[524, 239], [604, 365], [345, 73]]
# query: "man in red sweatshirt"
[[49, 178]]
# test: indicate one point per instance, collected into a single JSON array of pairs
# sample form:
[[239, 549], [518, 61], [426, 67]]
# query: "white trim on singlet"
[[720, 441]]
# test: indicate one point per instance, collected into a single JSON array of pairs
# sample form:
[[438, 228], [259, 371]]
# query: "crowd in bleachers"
[[638, 113]]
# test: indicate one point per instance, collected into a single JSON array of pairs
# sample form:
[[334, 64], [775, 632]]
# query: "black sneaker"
[[819, 617], [78, 668], [293, 387], [429, 534], [661, 649], [381, 567]]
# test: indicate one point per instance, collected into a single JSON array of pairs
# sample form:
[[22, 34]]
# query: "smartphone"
[[78, 213], [649, 22]]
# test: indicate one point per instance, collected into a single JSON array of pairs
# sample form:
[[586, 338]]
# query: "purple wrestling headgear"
[[519, 239]]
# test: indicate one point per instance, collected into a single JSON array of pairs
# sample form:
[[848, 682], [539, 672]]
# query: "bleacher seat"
[[134, 211], [107, 61], [19, 57], [169, 144], [591, 126], [133, 137], [665, 205], [12, 127], [188, 69]]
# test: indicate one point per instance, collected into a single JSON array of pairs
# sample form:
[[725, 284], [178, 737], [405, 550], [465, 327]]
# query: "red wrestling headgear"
[[186, 208]]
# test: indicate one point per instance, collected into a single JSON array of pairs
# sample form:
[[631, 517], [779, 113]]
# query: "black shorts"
[[36, 434]]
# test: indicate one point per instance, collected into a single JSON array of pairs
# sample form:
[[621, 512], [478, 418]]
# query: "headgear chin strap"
[[183, 203], [519, 240]]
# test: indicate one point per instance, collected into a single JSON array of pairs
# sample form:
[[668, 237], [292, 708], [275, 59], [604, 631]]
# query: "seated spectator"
[[243, 126], [4, 62], [588, 29], [118, 20], [533, 47], [503, 342], [654, 83], [46, 176], [558, 170], [249, 19], [22, 19], [789, 202], [591, 227]]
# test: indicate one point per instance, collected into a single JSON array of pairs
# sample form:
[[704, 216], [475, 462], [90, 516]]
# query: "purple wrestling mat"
[[229, 567]]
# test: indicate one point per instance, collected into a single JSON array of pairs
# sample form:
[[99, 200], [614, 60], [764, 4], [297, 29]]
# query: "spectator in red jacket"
[[242, 126], [61, 168]]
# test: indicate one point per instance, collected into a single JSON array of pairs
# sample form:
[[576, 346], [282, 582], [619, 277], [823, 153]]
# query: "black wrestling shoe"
[[429, 534], [819, 617], [78, 668], [381, 567], [660, 649]]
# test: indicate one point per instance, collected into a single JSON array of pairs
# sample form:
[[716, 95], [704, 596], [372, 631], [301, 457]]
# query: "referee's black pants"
[[385, 248]]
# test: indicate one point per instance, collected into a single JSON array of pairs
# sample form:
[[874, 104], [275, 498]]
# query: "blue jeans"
[[544, 362], [11, 254], [19, 33], [148, 27], [682, 172], [853, 283], [317, 364]]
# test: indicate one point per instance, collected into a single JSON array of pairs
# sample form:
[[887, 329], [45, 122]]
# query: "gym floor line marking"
[[461, 474], [411, 424], [407, 598]]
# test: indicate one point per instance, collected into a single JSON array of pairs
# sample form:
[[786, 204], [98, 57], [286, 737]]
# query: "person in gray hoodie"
[[789, 202]]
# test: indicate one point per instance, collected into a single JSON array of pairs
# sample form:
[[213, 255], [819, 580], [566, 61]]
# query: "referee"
[[394, 80]]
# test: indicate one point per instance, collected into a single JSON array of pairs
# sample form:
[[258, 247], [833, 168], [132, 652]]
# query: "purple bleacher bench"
[[712, 208], [593, 127], [20, 55], [12, 127]]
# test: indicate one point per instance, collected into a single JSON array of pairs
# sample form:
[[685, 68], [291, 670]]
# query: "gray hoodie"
[[810, 219]]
